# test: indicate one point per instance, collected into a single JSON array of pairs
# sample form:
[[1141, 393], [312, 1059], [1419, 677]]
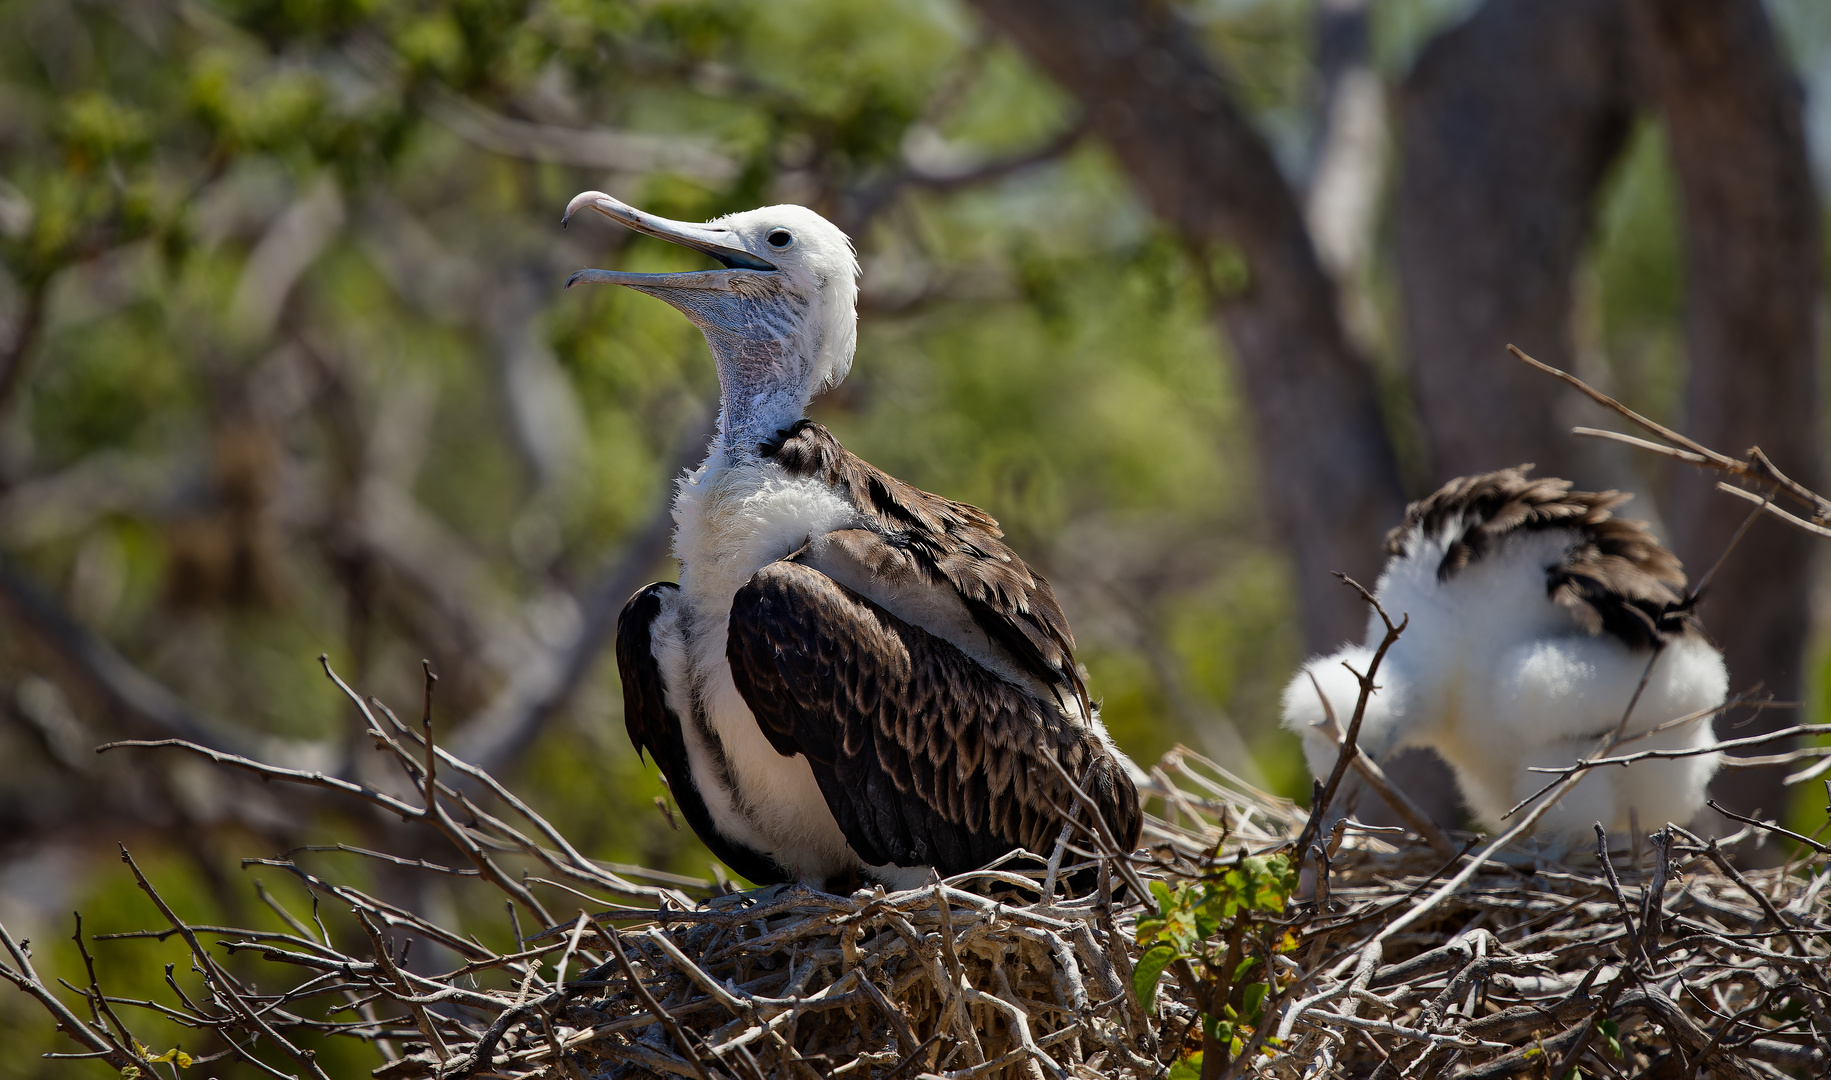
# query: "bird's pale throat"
[[763, 349]]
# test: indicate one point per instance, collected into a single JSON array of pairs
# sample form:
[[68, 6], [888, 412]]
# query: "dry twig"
[[1753, 467]]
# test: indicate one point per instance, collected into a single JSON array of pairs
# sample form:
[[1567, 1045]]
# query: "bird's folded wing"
[[961, 544], [925, 758]]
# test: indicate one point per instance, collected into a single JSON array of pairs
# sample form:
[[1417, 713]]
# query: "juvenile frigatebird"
[[854, 679]]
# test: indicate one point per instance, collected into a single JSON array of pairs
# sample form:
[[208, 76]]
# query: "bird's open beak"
[[707, 239]]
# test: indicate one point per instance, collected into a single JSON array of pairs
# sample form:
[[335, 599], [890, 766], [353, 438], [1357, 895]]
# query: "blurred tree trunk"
[[1733, 116], [1326, 469], [1348, 175], [1510, 122]]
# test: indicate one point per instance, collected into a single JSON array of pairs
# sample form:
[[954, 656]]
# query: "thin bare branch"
[[1756, 468], [1350, 739]]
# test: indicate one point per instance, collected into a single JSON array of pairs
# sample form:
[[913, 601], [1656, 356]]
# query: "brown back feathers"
[[1616, 579], [952, 541], [924, 757]]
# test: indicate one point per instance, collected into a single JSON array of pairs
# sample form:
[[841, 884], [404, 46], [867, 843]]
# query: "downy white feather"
[[1497, 678]]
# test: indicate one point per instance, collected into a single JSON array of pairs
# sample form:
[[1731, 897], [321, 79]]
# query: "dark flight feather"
[[1617, 578], [655, 729], [925, 758]]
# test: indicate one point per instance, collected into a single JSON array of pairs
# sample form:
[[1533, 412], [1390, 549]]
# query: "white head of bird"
[[781, 317]]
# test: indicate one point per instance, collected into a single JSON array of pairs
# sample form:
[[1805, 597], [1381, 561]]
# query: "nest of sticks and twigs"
[[1388, 960]]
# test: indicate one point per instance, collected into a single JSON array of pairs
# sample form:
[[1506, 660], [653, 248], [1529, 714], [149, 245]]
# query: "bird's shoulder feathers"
[[952, 542], [1615, 578]]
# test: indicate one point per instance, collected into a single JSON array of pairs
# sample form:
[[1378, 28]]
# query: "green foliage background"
[[1034, 344]]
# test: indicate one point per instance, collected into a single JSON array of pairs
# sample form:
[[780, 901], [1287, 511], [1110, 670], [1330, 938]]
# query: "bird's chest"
[[731, 520]]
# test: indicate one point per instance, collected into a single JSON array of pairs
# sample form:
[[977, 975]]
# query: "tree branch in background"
[[63, 505], [592, 148], [367, 521], [1735, 127], [1327, 472], [139, 700], [292, 242], [863, 204], [496, 735], [26, 328]]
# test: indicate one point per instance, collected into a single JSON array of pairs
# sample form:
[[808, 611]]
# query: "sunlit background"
[[289, 370]]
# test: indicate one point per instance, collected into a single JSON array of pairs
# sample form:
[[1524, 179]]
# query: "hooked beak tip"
[[593, 199]]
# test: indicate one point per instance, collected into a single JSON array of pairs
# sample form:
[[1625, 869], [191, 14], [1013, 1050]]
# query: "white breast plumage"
[[729, 523]]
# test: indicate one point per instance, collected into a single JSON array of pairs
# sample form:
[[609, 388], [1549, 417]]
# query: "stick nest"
[[1390, 960], [1526, 965]]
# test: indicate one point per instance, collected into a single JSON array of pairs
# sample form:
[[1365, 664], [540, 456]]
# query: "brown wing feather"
[[924, 757], [1618, 579], [950, 541]]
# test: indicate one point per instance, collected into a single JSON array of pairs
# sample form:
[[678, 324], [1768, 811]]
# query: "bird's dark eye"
[[781, 238]]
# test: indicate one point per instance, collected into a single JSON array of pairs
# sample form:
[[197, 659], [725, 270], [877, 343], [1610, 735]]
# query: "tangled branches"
[[1676, 961], [1193, 955]]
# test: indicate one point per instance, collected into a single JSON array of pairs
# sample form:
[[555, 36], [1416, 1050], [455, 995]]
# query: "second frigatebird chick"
[[1534, 614]]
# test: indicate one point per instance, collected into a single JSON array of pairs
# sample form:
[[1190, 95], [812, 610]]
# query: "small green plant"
[[173, 1056], [1217, 934]]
